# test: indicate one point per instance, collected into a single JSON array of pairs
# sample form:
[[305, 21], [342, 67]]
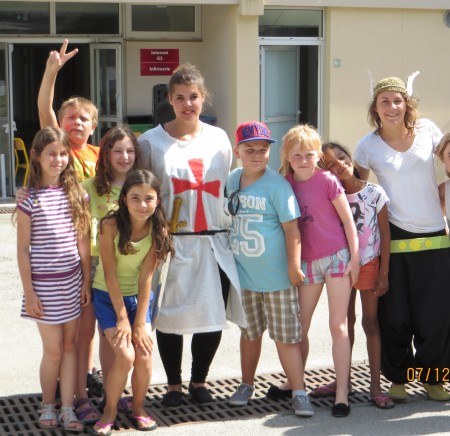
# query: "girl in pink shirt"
[[329, 248]]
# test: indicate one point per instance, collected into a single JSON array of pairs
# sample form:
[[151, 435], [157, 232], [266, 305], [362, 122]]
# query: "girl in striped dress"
[[54, 265]]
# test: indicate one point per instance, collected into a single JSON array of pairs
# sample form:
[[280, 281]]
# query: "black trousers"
[[415, 310], [203, 348]]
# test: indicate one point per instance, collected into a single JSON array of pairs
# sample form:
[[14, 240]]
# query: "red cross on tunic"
[[213, 188]]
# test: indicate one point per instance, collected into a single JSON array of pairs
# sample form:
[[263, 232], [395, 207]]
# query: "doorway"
[[291, 88]]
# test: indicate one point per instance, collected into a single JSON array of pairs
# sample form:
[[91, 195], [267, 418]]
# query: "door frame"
[[289, 41]]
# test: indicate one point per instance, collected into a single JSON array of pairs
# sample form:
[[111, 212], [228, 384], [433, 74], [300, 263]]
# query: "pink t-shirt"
[[320, 226]]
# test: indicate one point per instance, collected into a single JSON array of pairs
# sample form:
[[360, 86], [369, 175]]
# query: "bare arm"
[[345, 214], [108, 232], [293, 248], [55, 62], [33, 305], [363, 172], [84, 248], [141, 336], [382, 282]]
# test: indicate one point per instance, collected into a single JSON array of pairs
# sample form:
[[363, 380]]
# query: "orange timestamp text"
[[424, 375]]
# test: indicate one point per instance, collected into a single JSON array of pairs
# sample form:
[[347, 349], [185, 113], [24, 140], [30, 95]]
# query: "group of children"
[[315, 223]]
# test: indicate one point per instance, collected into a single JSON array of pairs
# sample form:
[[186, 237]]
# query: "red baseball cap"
[[253, 130]]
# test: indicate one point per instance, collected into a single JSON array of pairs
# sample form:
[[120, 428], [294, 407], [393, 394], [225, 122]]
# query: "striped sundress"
[[55, 260]]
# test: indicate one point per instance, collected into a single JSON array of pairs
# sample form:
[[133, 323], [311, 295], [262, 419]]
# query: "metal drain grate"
[[6, 209], [18, 414]]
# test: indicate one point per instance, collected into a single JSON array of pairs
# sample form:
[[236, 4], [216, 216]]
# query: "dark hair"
[[334, 145], [188, 74], [78, 206], [104, 172], [160, 227]]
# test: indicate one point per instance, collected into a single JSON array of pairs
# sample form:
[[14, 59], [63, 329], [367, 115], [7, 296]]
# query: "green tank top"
[[128, 266]]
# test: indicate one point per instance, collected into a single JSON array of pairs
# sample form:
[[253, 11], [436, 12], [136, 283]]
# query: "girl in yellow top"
[[133, 240]]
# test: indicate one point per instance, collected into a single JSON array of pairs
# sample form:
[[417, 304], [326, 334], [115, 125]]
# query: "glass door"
[[7, 173], [106, 86], [280, 95]]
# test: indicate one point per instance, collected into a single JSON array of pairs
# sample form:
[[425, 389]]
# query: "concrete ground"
[[21, 352]]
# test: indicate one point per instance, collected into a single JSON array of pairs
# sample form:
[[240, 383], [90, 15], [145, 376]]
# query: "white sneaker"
[[242, 395]]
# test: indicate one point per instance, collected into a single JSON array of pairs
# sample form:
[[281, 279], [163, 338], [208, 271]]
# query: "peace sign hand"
[[56, 60]]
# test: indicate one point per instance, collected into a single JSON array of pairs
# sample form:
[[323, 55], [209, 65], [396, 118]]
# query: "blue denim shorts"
[[105, 313]]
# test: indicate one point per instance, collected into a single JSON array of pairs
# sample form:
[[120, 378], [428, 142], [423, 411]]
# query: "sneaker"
[[302, 406], [94, 383], [242, 395]]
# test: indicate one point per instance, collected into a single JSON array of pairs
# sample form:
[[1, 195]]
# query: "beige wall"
[[228, 57], [387, 42]]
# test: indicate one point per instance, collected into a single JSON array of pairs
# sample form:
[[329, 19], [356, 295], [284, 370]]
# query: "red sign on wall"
[[159, 62]]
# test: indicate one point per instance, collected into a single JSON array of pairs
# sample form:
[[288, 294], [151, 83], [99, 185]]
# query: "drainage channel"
[[18, 414]]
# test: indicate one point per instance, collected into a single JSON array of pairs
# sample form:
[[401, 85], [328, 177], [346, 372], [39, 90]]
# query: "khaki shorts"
[[278, 311]]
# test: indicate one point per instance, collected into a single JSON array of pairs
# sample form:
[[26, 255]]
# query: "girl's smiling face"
[[391, 108], [122, 156], [303, 161], [141, 201], [338, 162]]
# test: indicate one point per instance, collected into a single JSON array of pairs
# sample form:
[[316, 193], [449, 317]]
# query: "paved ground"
[[21, 352]]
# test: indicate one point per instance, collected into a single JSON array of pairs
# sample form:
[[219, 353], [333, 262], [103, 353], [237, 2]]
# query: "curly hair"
[[160, 227], [76, 197], [411, 114], [104, 175]]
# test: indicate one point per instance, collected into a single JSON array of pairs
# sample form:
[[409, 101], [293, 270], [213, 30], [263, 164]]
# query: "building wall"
[[388, 42], [228, 57]]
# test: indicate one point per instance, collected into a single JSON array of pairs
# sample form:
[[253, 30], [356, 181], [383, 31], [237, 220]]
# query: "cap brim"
[[270, 141]]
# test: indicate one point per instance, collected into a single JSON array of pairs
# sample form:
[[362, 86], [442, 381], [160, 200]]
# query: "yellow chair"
[[19, 146]]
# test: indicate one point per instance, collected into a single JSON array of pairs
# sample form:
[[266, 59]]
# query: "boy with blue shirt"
[[266, 244]]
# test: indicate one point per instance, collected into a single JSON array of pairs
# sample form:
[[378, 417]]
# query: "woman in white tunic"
[[192, 160]]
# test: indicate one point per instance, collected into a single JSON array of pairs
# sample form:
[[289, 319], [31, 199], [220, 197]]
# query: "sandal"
[[84, 412], [124, 405], [382, 401], [146, 420], [67, 419], [92, 430], [328, 390], [47, 413]]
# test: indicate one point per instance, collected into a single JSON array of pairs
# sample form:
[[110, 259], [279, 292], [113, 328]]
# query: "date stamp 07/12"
[[441, 375]]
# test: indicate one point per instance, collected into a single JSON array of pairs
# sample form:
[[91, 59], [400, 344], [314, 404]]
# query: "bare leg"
[[338, 291], [291, 361], [250, 353]]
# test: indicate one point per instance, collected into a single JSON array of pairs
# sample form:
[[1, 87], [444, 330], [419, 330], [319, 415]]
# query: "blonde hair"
[[303, 134], [440, 149], [80, 104]]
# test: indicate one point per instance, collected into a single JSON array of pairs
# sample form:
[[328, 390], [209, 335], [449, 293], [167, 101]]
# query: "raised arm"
[[55, 62]]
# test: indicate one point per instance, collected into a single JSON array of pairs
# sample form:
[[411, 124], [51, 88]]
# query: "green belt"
[[419, 244]]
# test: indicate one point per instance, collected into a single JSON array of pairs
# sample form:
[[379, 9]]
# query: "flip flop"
[[92, 430], [382, 401], [145, 420], [324, 391]]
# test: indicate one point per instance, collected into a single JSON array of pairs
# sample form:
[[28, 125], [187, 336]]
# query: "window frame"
[[129, 33]]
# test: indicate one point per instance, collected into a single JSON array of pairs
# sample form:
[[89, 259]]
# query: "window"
[[87, 18], [24, 18], [163, 22], [291, 23]]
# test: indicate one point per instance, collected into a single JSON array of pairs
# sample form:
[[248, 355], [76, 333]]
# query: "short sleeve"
[[360, 155], [333, 186], [26, 206], [285, 202]]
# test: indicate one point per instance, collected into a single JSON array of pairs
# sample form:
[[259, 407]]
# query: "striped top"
[[53, 245]]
